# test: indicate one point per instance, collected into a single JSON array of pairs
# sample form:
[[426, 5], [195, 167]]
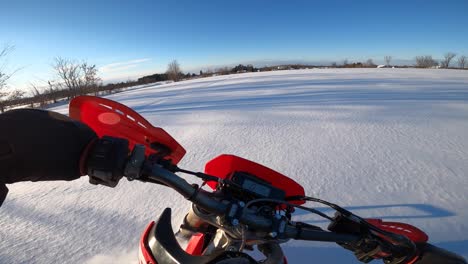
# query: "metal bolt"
[[273, 234], [231, 248], [241, 204], [234, 222]]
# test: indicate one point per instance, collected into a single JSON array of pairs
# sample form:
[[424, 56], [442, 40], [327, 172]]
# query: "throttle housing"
[[106, 161]]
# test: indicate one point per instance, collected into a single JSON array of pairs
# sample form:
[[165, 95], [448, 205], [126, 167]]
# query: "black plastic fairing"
[[164, 246]]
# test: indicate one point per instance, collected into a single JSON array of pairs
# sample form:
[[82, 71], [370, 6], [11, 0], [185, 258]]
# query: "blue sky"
[[130, 39]]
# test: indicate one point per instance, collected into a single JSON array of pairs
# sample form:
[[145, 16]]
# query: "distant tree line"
[[157, 77], [173, 73], [243, 68], [427, 61], [73, 78]]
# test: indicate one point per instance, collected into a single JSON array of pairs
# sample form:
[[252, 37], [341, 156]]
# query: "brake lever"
[[400, 239]]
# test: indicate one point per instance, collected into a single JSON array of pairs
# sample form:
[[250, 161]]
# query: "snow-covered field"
[[389, 143]]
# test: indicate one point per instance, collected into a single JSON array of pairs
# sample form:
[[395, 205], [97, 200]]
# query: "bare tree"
[[345, 62], [425, 61], [447, 58], [388, 59], [370, 63], [16, 95], [223, 70], [67, 72], [37, 95], [173, 71], [77, 78], [51, 93], [4, 76], [462, 62], [90, 80]]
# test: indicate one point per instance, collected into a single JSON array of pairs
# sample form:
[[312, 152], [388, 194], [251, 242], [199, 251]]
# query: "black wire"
[[200, 175], [289, 204], [362, 221], [207, 177]]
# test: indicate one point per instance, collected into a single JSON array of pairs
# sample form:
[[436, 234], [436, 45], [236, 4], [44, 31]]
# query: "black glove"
[[38, 145]]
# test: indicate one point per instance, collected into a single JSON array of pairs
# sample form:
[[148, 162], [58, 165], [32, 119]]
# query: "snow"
[[384, 143]]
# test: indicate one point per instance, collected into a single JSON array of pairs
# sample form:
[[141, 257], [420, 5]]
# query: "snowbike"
[[241, 205]]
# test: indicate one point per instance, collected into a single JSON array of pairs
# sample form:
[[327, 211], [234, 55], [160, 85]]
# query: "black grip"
[[106, 161]]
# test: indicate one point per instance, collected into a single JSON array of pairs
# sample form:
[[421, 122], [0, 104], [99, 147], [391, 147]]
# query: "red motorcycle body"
[[225, 165], [110, 118]]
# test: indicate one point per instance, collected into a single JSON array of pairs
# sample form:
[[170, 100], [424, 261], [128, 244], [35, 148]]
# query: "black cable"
[[317, 200], [200, 175], [362, 221], [289, 204]]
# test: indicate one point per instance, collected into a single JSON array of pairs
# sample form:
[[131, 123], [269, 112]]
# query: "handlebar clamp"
[[135, 164]]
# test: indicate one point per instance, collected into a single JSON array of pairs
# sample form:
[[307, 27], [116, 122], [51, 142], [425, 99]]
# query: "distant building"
[[385, 66]]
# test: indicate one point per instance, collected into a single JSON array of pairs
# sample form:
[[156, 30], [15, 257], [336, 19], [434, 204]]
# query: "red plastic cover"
[[413, 233], [109, 118], [195, 245], [144, 255], [224, 165]]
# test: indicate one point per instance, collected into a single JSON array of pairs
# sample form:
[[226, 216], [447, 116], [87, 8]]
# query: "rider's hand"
[[38, 145]]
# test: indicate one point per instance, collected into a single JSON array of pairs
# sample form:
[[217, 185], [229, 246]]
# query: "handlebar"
[[159, 174], [319, 235], [151, 169], [139, 167], [202, 199]]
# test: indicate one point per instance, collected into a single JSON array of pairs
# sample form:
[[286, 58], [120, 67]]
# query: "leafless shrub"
[[4, 76], [462, 62], [370, 63], [37, 95], [16, 95], [447, 58], [223, 70], [173, 71], [387, 60], [425, 61], [76, 78]]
